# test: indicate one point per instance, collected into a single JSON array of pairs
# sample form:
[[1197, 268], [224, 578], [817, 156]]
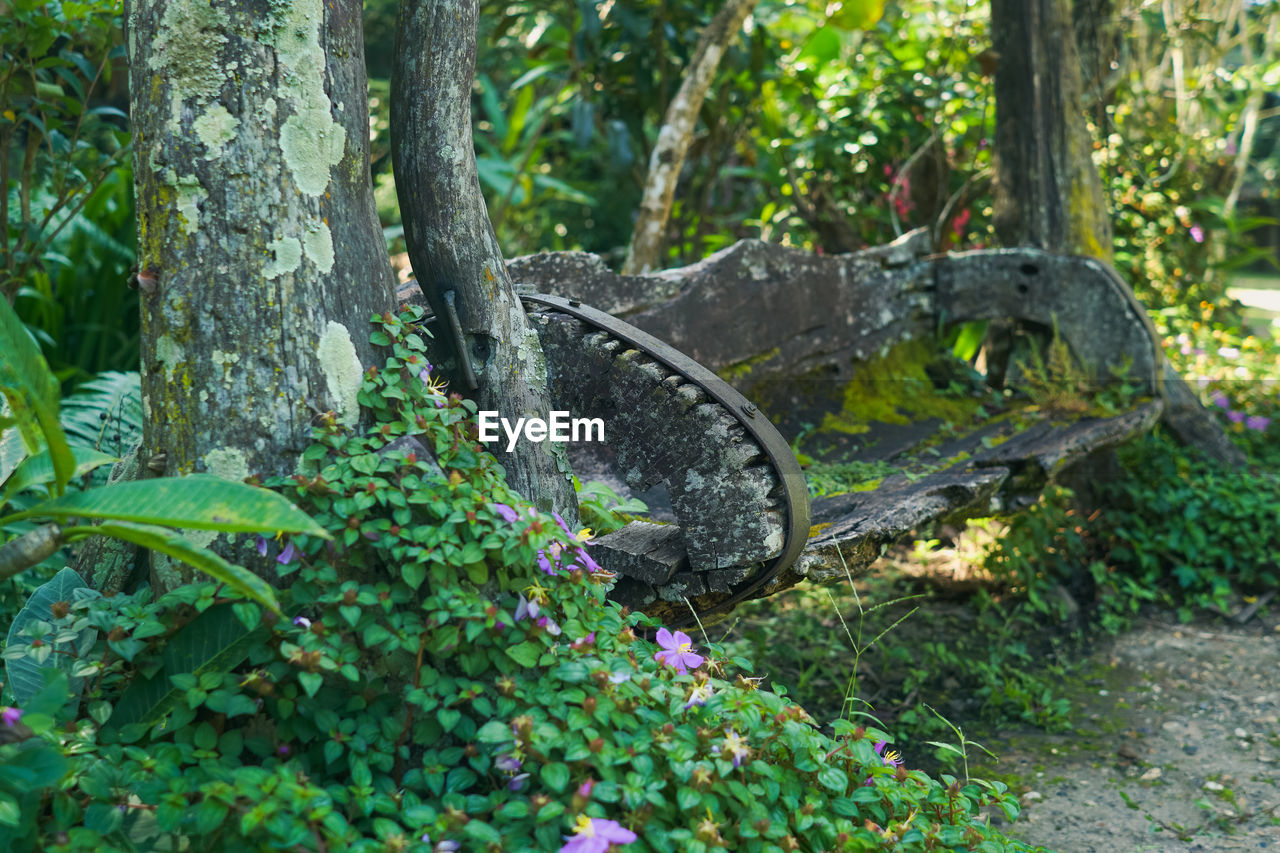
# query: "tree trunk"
[[451, 242], [1098, 44], [644, 254], [1048, 194], [260, 253]]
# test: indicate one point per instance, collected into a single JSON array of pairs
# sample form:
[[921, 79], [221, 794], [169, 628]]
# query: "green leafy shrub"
[[449, 676]]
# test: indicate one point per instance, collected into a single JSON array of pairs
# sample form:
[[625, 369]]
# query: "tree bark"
[[1048, 194], [644, 254], [451, 241], [260, 253]]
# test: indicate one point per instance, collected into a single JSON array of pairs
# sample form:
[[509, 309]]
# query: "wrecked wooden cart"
[[692, 368]]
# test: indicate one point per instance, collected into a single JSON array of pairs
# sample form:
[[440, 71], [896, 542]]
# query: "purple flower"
[[547, 622], [892, 758], [587, 563], [594, 835], [526, 609], [1235, 417], [424, 375], [508, 763], [508, 513], [261, 545], [1220, 400], [734, 746], [302, 621], [677, 651], [1197, 233], [286, 556], [545, 564], [517, 782], [699, 695], [282, 750], [1257, 422], [11, 716]]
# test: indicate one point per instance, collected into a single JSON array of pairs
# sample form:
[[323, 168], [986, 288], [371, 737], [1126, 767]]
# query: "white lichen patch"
[[317, 243], [342, 371], [216, 127], [186, 47], [312, 144], [169, 353], [190, 194], [286, 257], [229, 463], [226, 361], [311, 141]]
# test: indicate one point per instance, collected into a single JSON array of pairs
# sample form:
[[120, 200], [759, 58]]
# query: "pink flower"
[[958, 224], [594, 835], [1197, 233], [1257, 422], [677, 651], [11, 716]]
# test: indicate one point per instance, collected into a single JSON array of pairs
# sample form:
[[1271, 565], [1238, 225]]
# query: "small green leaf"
[[526, 654], [310, 682], [556, 775]]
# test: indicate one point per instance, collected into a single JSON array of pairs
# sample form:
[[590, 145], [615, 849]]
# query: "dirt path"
[[1176, 748]]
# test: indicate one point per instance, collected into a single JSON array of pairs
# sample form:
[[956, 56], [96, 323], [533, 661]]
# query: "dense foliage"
[[471, 689]]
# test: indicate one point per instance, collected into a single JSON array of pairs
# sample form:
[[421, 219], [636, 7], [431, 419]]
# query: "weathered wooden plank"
[[642, 550]]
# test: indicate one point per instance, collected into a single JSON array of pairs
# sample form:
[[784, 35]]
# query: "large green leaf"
[[24, 673], [168, 542], [38, 470], [196, 502], [214, 641], [32, 391]]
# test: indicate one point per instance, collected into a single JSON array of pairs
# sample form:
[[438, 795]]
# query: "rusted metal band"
[[770, 441]]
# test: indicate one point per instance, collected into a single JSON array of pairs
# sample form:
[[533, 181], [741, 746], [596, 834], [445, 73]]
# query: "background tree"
[[451, 241]]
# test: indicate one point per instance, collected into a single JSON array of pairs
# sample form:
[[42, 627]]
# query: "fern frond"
[[105, 413]]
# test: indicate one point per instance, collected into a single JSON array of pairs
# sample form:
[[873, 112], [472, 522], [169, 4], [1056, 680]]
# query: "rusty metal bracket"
[[775, 447], [460, 340]]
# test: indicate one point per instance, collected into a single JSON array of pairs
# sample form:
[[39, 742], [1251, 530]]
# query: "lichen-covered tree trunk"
[[644, 254], [451, 241], [261, 259], [1048, 194]]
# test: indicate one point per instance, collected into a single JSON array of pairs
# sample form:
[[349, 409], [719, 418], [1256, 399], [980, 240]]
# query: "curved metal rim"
[[775, 447]]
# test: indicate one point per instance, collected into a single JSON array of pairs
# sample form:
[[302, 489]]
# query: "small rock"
[[1214, 786], [1191, 749], [1032, 797], [1241, 733], [1152, 774], [1127, 752]]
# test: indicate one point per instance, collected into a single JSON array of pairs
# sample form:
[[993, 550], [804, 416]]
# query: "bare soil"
[[1176, 746]]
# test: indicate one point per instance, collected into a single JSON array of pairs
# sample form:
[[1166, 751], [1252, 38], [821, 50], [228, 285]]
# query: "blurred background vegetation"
[[830, 127]]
